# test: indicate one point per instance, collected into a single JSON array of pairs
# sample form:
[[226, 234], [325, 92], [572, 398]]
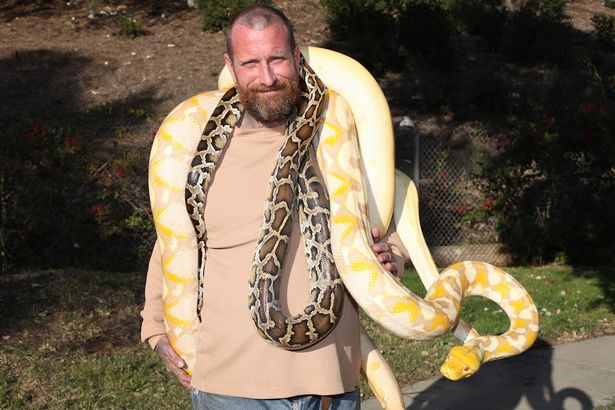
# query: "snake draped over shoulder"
[[294, 185], [362, 191]]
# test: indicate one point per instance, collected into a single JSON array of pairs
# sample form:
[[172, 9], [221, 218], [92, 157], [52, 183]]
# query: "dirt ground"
[[57, 51], [172, 60]]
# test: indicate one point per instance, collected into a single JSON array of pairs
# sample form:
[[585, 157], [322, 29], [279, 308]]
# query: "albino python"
[[358, 201]]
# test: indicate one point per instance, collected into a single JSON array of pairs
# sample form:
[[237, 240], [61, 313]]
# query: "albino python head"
[[461, 362]]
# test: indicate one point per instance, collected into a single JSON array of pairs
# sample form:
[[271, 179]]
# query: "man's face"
[[265, 69]]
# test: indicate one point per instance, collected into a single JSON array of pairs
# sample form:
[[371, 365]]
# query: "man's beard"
[[268, 108]]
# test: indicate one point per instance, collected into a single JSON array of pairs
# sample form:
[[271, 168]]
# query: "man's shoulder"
[[200, 103]]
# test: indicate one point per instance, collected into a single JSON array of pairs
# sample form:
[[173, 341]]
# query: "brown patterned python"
[[293, 184], [378, 293]]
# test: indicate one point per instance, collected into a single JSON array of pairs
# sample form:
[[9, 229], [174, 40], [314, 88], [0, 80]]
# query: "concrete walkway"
[[572, 376]]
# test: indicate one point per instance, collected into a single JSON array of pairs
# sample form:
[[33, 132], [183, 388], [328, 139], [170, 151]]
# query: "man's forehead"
[[275, 32]]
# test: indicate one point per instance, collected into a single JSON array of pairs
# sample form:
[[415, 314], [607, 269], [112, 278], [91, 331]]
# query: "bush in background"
[[481, 18], [218, 13], [383, 33], [553, 181], [539, 32], [604, 30], [129, 26], [62, 205]]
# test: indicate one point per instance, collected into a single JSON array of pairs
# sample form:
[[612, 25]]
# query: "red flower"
[[503, 141], [590, 107], [443, 176], [460, 211], [38, 129], [69, 141], [487, 203], [119, 170], [100, 211]]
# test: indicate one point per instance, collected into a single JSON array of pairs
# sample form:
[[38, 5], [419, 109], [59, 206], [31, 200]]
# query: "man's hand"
[[384, 253], [173, 362]]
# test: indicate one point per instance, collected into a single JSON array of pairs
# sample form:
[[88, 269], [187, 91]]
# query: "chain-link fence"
[[453, 211]]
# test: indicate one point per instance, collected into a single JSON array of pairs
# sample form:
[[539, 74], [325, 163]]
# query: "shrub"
[[129, 26], [383, 33], [539, 32], [425, 28], [369, 28], [604, 30], [218, 13], [39, 170], [553, 184], [59, 206], [482, 18]]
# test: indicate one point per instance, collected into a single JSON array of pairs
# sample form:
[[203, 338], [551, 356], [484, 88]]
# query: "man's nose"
[[266, 75]]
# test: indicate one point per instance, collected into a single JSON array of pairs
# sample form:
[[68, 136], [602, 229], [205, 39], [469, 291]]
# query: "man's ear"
[[229, 63]]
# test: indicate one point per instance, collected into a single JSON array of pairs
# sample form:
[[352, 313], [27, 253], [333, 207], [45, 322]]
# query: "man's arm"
[[152, 327]]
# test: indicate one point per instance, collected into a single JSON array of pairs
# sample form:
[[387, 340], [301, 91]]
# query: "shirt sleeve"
[[152, 327]]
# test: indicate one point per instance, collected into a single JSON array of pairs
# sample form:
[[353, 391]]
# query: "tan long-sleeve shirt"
[[232, 359]]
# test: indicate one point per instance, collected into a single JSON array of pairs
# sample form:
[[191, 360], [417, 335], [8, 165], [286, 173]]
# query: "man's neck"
[[248, 121]]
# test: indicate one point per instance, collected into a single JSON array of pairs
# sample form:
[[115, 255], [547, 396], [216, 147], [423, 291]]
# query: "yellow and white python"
[[364, 191]]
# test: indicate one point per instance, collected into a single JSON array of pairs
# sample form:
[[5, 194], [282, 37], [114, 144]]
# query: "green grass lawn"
[[70, 338]]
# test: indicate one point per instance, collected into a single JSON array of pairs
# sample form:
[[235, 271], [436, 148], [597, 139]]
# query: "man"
[[236, 368]]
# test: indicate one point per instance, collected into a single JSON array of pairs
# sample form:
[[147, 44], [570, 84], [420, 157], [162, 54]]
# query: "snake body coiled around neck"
[[294, 186]]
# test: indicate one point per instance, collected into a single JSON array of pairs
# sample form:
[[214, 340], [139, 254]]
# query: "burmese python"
[[381, 296], [293, 184]]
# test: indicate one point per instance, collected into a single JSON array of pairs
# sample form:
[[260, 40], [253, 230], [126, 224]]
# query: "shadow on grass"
[[505, 384], [605, 276], [53, 145], [66, 310]]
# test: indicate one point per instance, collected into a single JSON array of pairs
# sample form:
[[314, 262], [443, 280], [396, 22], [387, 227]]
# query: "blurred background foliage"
[[217, 13], [541, 91], [545, 90]]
